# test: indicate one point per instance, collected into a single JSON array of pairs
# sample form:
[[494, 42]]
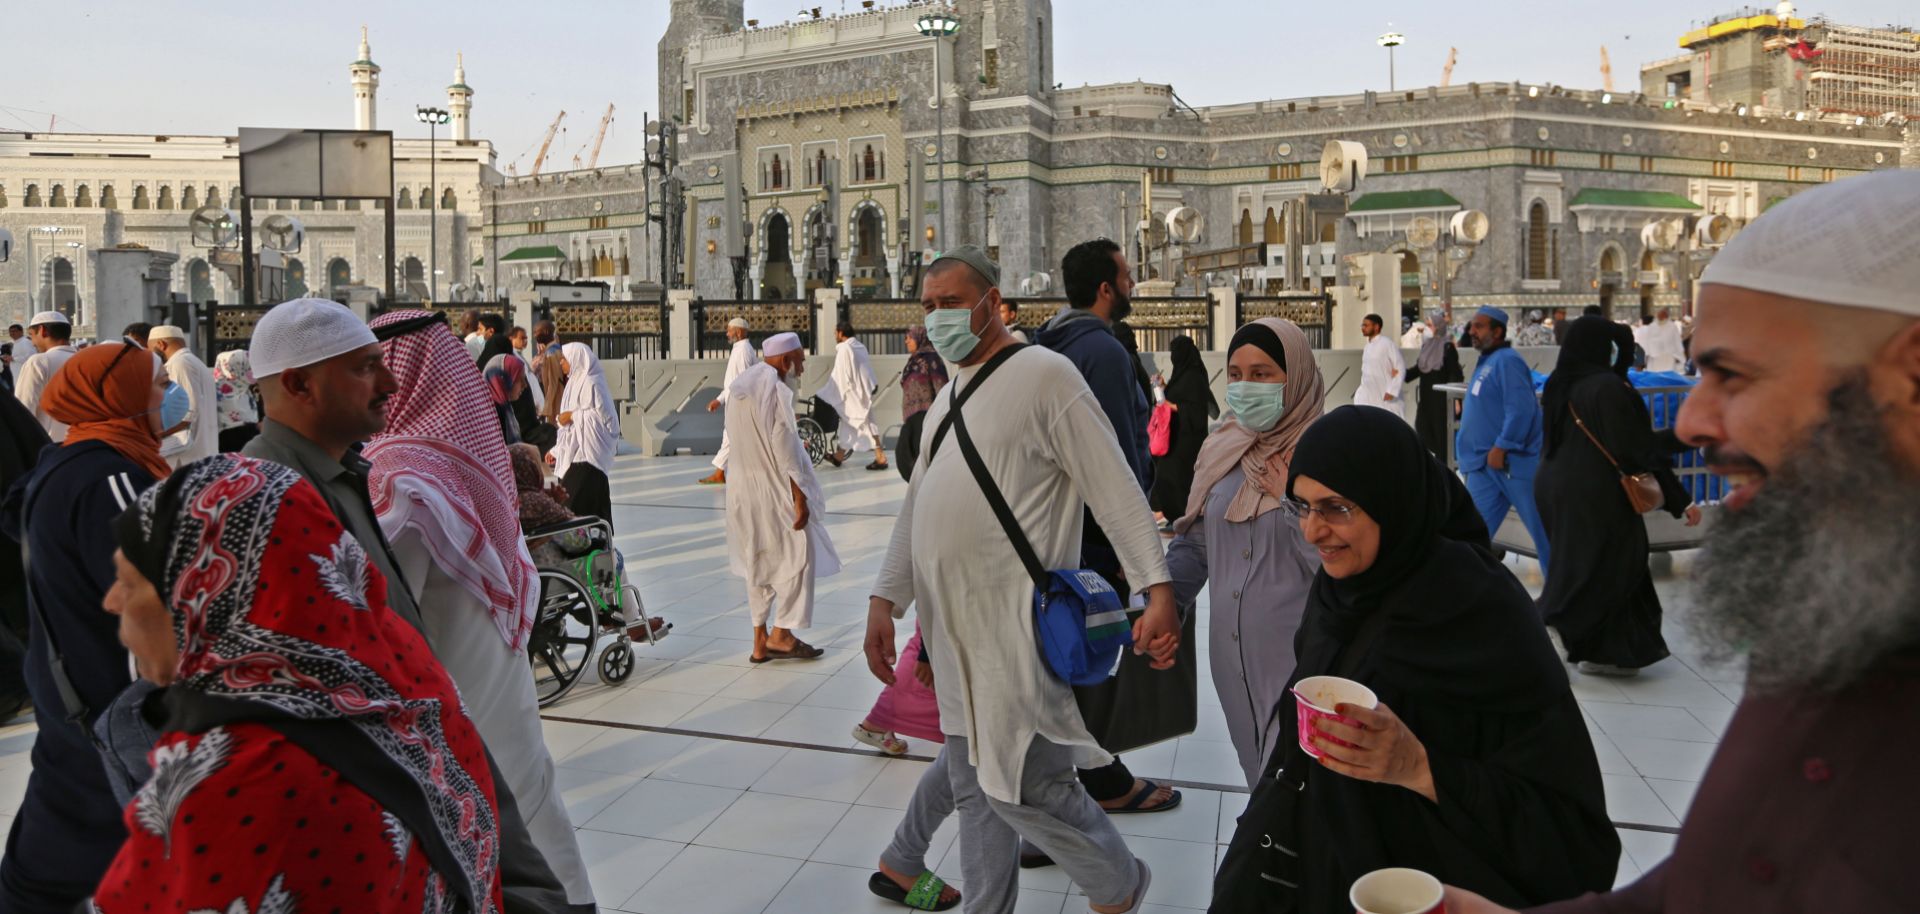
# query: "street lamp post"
[[33, 266], [1390, 41], [937, 26], [432, 117], [77, 314]]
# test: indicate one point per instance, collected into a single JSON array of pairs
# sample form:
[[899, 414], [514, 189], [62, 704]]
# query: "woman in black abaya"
[[1438, 363], [1599, 594], [1476, 767], [1193, 409]]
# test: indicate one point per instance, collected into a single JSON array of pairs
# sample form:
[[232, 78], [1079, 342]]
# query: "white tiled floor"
[[699, 821]]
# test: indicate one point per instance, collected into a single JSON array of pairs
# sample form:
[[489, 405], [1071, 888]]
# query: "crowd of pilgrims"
[[329, 699]]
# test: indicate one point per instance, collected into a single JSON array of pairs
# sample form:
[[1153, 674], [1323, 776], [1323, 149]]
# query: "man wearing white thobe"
[[776, 513], [739, 360], [851, 394], [1383, 373], [197, 435], [51, 334], [1014, 732], [1665, 350]]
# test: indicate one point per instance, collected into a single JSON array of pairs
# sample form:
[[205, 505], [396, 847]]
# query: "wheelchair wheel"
[[564, 632], [819, 443], [616, 663]]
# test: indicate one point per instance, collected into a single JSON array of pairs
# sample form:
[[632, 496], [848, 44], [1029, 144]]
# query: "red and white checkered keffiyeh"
[[441, 469]]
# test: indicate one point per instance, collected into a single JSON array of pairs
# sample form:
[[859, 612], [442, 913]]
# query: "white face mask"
[[951, 330]]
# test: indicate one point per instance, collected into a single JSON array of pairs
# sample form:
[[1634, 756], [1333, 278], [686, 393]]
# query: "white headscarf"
[[233, 388], [594, 433]]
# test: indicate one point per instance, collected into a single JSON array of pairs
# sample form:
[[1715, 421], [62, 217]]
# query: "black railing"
[[881, 324], [1156, 321], [1312, 311], [614, 329], [764, 319]]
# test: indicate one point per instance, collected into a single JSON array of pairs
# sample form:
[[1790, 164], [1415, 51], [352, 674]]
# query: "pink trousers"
[[907, 707]]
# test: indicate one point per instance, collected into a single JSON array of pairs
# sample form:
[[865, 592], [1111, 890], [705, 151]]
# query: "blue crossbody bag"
[[1079, 620]]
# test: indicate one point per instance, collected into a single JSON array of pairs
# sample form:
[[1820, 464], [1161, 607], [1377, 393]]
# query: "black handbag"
[[1261, 870], [1140, 705]]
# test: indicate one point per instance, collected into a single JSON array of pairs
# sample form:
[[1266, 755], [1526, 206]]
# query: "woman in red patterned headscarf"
[[314, 751], [442, 487]]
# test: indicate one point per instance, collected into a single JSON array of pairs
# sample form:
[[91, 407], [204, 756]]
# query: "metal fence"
[[1312, 311], [614, 329], [882, 323], [1156, 321], [764, 319]]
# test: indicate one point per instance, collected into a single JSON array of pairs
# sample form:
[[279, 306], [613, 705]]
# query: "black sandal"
[[924, 896]]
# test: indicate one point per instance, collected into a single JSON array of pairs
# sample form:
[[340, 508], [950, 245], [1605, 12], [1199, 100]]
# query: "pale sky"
[[210, 66]]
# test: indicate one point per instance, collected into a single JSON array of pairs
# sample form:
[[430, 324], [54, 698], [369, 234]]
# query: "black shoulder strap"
[[956, 397], [76, 709], [998, 502]]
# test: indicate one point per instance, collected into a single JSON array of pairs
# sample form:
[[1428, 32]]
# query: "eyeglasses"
[[1335, 513]]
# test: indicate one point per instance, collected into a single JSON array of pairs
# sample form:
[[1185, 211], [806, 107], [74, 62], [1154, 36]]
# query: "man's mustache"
[[1722, 458]]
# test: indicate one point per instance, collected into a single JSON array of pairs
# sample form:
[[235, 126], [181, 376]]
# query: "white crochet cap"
[[1853, 243], [166, 332], [48, 317], [305, 331], [739, 323], [780, 344]]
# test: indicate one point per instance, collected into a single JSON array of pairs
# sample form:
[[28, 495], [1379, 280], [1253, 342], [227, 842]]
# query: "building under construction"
[[1781, 63]]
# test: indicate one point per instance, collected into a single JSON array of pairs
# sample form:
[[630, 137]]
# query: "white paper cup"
[[1316, 696], [1397, 891]]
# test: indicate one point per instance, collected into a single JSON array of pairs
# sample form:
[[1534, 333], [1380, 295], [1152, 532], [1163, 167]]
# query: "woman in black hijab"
[[1193, 408], [1476, 767], [1599, 594]]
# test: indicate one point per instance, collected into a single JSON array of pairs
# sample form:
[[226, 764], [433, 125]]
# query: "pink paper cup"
[[1397, 891], [1316, 696]]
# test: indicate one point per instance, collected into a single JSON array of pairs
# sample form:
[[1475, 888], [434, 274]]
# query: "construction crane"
[[552, 129], [1446, 72], [599, 137], [1606, 70]]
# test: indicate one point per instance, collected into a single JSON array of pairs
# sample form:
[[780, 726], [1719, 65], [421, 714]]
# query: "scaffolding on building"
[[1865, 72]]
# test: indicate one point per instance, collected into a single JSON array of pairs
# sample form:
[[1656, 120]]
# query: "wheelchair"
[[817, 423], [579, 617]]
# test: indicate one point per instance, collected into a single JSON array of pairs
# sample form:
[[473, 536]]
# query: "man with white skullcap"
[[739, 360], [324, 386], [197, 435], [51, 333], [776, 513], [1808, 345]]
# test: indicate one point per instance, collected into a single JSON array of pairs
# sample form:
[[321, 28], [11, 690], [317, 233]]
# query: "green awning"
[[480, 261], [542, 252], [1402, 199], [1632, 199]]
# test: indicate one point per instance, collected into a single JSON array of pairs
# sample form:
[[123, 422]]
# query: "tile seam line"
[[868, 753]]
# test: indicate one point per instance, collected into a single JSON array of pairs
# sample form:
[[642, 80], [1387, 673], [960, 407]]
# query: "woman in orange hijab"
[[68, 826]]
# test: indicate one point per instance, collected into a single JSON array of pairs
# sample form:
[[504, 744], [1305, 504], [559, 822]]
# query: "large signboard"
[[316, 164]]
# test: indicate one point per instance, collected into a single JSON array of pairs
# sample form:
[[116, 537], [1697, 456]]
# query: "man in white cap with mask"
[[324, 386], [51, 334], [1808, 344], [776, 513], [739, 360], [198, 435]]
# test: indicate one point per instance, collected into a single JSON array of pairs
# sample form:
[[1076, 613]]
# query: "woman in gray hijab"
[[1438, 363]]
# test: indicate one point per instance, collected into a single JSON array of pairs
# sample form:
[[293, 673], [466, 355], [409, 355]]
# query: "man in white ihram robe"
[[851, 395], [1383, 372], [740, 359], [776, 513]]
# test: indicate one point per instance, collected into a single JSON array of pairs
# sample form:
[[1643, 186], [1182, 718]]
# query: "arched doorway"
[[819, 259], [296, 278], [63, 293], [1539, 247], [199, 281], [339, 274], [415, 276], [1610, 278], [1649, 270], [870, 277], [776, 274]]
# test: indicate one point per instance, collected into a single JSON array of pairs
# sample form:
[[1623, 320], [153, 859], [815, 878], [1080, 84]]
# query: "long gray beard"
[[1818, 578]]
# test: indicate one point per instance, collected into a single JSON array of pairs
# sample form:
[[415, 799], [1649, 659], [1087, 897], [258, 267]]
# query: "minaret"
[[366, 82], [690, 21], [460, 98]]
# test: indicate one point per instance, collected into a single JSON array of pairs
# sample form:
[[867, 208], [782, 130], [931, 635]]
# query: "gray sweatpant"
[[1055, 814]]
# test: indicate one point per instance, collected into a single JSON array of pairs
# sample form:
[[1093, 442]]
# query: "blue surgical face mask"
[[951, 331], [1257, 404]]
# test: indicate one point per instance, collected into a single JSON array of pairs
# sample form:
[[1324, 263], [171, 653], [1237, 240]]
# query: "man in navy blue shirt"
[[1501, 437]]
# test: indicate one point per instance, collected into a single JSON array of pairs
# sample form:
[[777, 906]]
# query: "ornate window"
[[779, 178], [1246, 227], [868, 164], [32, 197], [448, 200], [188, 198], [107, 199], [82, 197], [405, 200], [165, 200], [58, 197], [1539, 243], [1271, 232], [233, 199]]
